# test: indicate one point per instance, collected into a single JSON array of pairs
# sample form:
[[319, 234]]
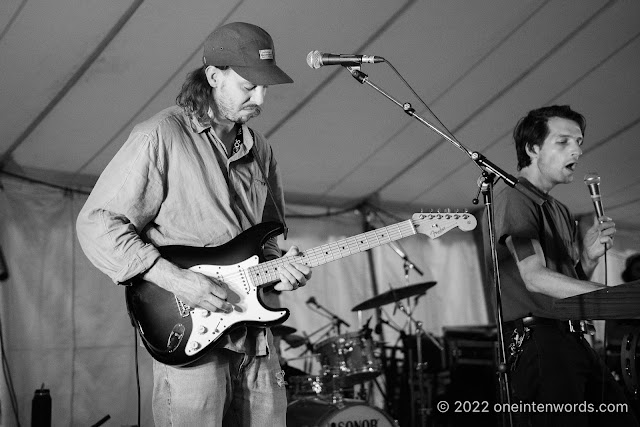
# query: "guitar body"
[[175, 334]]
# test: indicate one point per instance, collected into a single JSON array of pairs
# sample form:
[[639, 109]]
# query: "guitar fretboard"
[[268, 272]]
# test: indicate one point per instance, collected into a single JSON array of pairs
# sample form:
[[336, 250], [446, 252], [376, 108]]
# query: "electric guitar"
[[176, 334]]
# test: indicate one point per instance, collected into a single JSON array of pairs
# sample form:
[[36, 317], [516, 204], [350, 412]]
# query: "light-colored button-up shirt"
[[172, 183]]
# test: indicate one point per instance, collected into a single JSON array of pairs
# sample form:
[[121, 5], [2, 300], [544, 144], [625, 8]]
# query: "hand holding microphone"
[[592, 180], [599, 237]]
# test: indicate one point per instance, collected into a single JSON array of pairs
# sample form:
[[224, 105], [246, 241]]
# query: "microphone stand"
[[335, 319], [491, 170], [407, 262]]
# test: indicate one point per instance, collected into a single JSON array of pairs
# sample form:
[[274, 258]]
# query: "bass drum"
[[314, 412]]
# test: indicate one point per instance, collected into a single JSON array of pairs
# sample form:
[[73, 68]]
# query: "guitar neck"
[[268, 272]]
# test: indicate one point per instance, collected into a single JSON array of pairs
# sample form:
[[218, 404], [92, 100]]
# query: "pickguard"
[[241, 293]]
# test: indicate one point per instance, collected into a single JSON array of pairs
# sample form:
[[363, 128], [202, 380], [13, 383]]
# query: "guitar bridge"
[[183, 308]]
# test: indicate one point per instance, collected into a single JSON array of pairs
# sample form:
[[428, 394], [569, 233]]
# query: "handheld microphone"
[[317, 59], [312, 300], [592, 180]]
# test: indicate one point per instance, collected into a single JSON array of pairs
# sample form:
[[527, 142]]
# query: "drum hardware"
[[305, 340], [336, 321], [349, 358], [629, 363], [424, 409], [415, 370]]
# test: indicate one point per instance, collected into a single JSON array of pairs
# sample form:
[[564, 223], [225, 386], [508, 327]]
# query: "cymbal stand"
[[424, 410], [308, 346]]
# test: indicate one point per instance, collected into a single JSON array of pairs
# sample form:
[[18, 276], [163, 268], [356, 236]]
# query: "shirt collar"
[[196, 126], [247, 136]]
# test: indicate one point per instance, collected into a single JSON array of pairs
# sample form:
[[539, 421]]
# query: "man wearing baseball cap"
[[196, 175]]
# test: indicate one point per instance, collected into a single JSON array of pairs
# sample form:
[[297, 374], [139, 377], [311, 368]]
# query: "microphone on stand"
[[339, 321], [317, 59], [378, 328], [592, 180]]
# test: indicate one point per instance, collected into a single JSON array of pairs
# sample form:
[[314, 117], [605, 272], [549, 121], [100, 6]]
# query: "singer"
[[196, 175], [549, 359]]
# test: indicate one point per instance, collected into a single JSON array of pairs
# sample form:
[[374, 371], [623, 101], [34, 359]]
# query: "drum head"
[[317, 412]]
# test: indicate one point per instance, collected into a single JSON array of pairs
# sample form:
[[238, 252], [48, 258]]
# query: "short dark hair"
[[627, 274], [196, 95], [533, 129]]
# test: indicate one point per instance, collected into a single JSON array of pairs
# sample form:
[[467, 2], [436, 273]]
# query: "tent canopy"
[[76, 76]]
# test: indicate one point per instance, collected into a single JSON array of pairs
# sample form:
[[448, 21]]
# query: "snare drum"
[[317, 412], [349, 357]]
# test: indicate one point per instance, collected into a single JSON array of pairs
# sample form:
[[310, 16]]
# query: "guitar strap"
[[254, 151]]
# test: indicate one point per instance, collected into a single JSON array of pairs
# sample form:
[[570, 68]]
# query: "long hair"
[[533, 129], [196, 96]]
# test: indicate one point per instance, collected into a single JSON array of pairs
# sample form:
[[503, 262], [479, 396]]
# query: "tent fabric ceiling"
[[76, 75]]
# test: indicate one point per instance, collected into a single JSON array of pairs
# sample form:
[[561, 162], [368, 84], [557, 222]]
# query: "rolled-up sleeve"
[[125, 199]]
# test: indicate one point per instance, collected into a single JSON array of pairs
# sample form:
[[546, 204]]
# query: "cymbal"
[[394, 295], [282, 330], [294, 341]]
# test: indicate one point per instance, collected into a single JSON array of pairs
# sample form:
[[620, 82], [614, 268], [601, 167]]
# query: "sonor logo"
[[357, 423]]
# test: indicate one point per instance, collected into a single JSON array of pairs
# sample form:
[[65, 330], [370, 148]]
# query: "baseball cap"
[[246, 48]]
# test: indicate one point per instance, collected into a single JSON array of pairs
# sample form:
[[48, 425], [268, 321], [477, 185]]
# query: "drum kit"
[[350, 364]]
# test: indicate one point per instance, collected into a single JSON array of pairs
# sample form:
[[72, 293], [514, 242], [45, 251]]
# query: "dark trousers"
[[560, 367]]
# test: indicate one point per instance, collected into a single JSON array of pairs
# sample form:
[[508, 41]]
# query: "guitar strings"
[[267, 272]]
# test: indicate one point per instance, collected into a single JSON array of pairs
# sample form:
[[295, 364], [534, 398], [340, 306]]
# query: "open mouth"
[[571, 166]]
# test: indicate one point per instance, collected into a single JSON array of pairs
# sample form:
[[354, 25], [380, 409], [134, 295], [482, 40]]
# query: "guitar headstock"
[[435, 224]]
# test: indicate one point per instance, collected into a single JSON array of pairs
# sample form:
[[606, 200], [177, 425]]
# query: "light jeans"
[[224, 389]]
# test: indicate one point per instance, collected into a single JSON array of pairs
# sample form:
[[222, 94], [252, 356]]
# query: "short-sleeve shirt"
[[549, 222]]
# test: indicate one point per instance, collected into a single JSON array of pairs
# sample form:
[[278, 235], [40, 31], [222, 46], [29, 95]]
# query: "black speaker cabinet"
[[474, 388]]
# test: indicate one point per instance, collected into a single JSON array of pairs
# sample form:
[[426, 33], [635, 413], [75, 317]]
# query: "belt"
[[569, 326]]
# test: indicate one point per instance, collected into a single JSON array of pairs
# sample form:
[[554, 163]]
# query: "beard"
[[226, 108]]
